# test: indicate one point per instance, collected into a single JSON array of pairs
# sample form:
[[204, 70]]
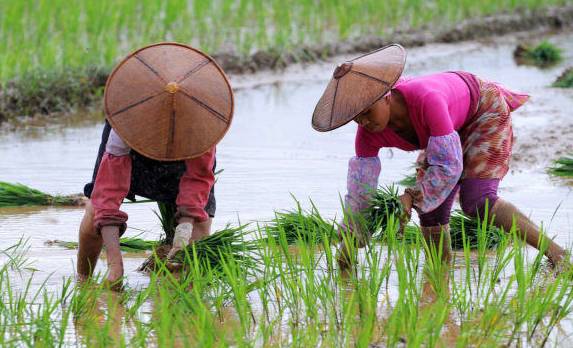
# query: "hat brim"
[[370, 77]]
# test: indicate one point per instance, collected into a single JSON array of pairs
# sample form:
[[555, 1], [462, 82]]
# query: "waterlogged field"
[[293, 294], [47, 36]]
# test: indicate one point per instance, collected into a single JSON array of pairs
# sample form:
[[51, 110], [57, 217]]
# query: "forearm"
[[194, 188], [112, 185], [361, 181], [445, 165]]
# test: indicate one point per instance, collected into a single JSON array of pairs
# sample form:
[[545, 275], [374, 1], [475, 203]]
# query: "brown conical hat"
[[169, 101], [356, 85]]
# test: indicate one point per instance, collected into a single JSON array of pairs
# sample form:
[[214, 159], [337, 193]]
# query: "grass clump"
[[295, 225], [15, 195], [544, 54], [565, 80], [128, 244], [408, 180], [209, 252], [563, 167], [385, 208]]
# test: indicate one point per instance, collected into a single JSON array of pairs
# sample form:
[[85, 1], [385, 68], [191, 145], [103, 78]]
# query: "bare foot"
[[114, 279]]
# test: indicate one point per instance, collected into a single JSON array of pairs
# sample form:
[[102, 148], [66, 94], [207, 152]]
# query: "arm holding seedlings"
[[194, 187], [111, 187], [362, 179]]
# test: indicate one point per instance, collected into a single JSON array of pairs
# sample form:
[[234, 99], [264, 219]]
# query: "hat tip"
[[342, 70]]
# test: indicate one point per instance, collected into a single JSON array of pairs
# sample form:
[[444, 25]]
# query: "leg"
[[504, 214], [90, 245], [436, 228], [474, 195], [110, 236]]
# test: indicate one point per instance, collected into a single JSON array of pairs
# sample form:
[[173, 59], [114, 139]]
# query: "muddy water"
[[271, 153]]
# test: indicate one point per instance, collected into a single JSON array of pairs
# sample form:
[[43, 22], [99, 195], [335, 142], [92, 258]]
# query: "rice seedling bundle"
[[563, 167], [471, 226], [129, 244], [544, 54], [385, 206], [298, 224], [209, 253], [408, 180], [14, 195], [565, 80]]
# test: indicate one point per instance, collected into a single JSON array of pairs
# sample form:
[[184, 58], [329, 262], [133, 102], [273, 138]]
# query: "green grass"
[[41, 36], [14, 195], [298, 224], [544, 54], [563, 167], [295, 297], [128, 244], [565, 80]]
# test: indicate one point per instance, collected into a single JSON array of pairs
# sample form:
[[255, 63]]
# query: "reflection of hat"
[[356, 85], [169, 101]]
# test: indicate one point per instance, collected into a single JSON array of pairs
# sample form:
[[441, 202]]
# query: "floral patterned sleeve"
[[362, 179], [444, 168]]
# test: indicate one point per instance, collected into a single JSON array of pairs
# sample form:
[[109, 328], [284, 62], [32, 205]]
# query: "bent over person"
[[167, 105], [461, 121]]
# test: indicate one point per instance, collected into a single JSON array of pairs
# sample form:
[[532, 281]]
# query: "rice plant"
[[408, 180], [565, 80], [563, 167], [128, 244], [61, 35], [14, 195], [307, 226], [544, 54], [208, 252]]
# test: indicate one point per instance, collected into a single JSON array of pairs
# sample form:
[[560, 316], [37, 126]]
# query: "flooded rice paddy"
[[271, 153]]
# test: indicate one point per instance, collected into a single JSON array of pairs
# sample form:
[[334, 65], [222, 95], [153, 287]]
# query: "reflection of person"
[[461, 121], [167, 106]]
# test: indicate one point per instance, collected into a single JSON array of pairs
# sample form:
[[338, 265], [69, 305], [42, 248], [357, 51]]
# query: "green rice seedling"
[[167, 219], [384, 204], [207, 252], [408, 180], [308, 226], [461, 222], [563, 167], [565, 80], [544, 54], [128, 244], [14, 195]]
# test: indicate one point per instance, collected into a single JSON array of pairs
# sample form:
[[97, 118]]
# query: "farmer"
[[461, 121], [167, 105]]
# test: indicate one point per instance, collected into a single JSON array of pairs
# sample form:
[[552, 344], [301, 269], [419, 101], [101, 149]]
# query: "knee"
[[87, 225], [475, 205]]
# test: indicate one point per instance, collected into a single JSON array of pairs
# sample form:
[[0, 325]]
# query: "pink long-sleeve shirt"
[[113, 181], [438, 105]]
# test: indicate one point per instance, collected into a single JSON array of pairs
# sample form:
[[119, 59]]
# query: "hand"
[[407, 204]]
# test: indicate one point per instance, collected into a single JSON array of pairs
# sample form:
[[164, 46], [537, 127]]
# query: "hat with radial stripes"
[[169, 101], [356, 85]]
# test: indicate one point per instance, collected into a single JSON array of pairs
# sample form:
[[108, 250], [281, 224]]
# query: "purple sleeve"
[[362, 179], [437, 115], [445, 164]]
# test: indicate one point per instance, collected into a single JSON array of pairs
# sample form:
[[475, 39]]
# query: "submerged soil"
[[57, 93]]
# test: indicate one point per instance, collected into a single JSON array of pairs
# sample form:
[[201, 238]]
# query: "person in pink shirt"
[[463, 124], [167, 106]]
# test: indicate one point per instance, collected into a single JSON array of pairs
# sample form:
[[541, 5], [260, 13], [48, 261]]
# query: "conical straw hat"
[[356, 85], [169, 101]]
